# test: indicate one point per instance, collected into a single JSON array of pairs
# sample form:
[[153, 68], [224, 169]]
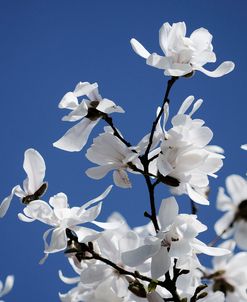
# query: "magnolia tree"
[[158, 261]]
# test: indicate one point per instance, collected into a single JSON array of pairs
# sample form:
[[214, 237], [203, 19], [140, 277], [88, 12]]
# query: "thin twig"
[[165, 100]]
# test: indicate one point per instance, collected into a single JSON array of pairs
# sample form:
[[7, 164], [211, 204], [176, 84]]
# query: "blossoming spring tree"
[[158, 261]]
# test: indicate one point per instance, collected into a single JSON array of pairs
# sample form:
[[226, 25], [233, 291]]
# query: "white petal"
[[168, 212], [84, 88], [4, 206], [121, 179], [178, 70], [59, 201], [196, 197], [237, 188], [85, 234], [201, 136], [90, 214], [138, 256], [9, 282], [223, 224], [68, 280], [69, 101], [130, 241], [25, 218], [40, 210], [100, 171], [76, 137], [186, 104], [34, 166], [196, 106], [237, 263], [244, 147], [159, 61], [108, 225], [160, 263], [154, 297], [199, 246], [224, 202], [223, 69], [77, 114], [108, 106], [164, 35], [201, 38], [58, 241], [240, 234], [99, 198], [139, 48], [94, 273]]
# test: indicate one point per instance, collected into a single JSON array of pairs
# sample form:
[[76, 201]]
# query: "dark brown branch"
[[109, 121], [165, 101]]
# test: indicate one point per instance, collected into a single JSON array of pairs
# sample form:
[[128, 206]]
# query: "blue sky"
[[47, 47]]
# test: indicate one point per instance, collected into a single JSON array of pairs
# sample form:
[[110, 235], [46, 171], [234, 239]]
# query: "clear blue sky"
[[49, 46]]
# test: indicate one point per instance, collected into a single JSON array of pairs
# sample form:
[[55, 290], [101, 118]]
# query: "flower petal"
[[168, 212], [237, 188], [68, 280], [4, 206], [240, 234], [139, 48], [121, 179], [97, 199], [100, 171], [34, 166], [223, 69], [196, 197], [199, 246], [9, 282], [69, 101], [160, 263], [138, 256], [58, 241], [160, 62], [76, 137]]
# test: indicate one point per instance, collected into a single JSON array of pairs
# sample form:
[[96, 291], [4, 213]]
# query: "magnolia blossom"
[[234, 221], [89, 111], [229, 274], [183, 55], [185, 156], [60, 216], [101, 282], [175, 239], [6, 288], [110, 153], [33, 186]]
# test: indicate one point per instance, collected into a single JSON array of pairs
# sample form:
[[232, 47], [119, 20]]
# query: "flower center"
[[93, 114], [242, 211], [223, 286]]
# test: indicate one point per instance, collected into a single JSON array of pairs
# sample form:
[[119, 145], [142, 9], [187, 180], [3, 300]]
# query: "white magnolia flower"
[[234, 221], [110, 153], [229, 274], [89, 111], [185, 155], [175, 239], [33, 186], [60, 216], [96, 275], [183, 55], [6, 288]]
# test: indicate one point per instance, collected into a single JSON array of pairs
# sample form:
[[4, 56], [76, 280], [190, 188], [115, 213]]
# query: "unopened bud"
[[137, 289]]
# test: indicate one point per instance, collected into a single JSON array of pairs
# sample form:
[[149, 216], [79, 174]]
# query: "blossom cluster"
[[159, 261]]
